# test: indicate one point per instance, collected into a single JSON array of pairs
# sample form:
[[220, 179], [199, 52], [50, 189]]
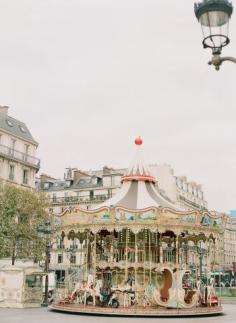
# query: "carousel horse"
[[188, 297], [98, 288], [82, 288], [212, 299], [127, 290]]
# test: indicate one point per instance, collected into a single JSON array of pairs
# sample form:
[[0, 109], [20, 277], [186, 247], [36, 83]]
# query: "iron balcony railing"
[[79, 199], [198, 206], [19, 156]]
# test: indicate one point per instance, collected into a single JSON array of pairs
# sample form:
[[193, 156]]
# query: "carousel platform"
[[136, 311]]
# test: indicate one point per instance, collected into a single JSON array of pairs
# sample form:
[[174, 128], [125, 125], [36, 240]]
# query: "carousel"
[[140, 254]]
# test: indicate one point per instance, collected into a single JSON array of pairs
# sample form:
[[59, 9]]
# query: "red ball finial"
[[138, 141]]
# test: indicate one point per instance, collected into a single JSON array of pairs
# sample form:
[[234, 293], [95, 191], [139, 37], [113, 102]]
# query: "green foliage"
[[22, 212]]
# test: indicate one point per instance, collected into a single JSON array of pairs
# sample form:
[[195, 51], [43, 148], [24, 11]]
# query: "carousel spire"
[[138, 171]]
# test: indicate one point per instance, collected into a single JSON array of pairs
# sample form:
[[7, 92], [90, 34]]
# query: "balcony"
[[193, 204], [16, 155], [78, 200]]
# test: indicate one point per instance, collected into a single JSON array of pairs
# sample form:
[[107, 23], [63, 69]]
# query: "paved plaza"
[[42, 315]]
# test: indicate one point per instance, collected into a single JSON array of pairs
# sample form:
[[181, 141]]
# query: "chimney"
[[106, 170], [78, 174], [4, 109]]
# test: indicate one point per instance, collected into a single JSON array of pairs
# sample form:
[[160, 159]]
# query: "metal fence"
[[226, 291], [18, 155]]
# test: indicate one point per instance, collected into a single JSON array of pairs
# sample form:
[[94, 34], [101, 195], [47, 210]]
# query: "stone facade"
[[18, 164], [230, 243]]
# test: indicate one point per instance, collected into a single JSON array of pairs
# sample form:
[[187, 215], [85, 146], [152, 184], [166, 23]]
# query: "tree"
[[22, 213]]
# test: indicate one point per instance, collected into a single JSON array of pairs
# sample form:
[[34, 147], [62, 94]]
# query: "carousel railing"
[[79, 199], [132, 257], [65, 287]]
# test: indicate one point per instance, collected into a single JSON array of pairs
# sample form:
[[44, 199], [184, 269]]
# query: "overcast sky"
[[88, 76]]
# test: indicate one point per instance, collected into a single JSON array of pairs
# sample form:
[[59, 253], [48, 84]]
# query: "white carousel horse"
[[85, 288], [186, 298], [97, 289], [210, 292], [127, 291]]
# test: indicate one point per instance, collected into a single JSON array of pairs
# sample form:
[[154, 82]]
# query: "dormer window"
[[46, 185], [22, 129], [9, 123], [68, 183]]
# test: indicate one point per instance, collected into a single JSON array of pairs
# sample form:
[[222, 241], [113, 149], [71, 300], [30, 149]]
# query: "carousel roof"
[[138, 190]]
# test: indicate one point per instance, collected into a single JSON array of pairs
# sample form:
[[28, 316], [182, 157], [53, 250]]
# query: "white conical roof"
[[138, 189]]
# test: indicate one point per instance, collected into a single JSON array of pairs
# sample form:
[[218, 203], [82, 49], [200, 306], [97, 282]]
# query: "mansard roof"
[[15, 127]]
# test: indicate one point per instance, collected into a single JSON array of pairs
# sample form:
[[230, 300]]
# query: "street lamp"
[[234, 271], [201, 252], [46, 230], [214, 16]]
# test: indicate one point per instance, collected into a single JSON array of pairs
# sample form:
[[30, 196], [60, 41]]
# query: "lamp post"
[[46, 231], [234, 271], [214, 16], [201, 252]]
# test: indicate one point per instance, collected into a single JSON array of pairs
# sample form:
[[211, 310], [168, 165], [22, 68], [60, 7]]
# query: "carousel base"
[[137, 311]]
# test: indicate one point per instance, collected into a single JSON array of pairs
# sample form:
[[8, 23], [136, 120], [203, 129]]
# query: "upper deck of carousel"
[[137, 204]]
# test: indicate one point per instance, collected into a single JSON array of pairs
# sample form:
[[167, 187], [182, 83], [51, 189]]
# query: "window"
[[60, 244], [25, 176], [13, 143], [12, 172], [68, 183], [91, 195], [26, 152], [60, 259], [12, 147], [54, 197], [32, 281], [72, 259], [67, 197], [74, 244]]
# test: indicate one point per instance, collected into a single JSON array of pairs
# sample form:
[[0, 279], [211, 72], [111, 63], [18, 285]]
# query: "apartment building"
[[18, 161]]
